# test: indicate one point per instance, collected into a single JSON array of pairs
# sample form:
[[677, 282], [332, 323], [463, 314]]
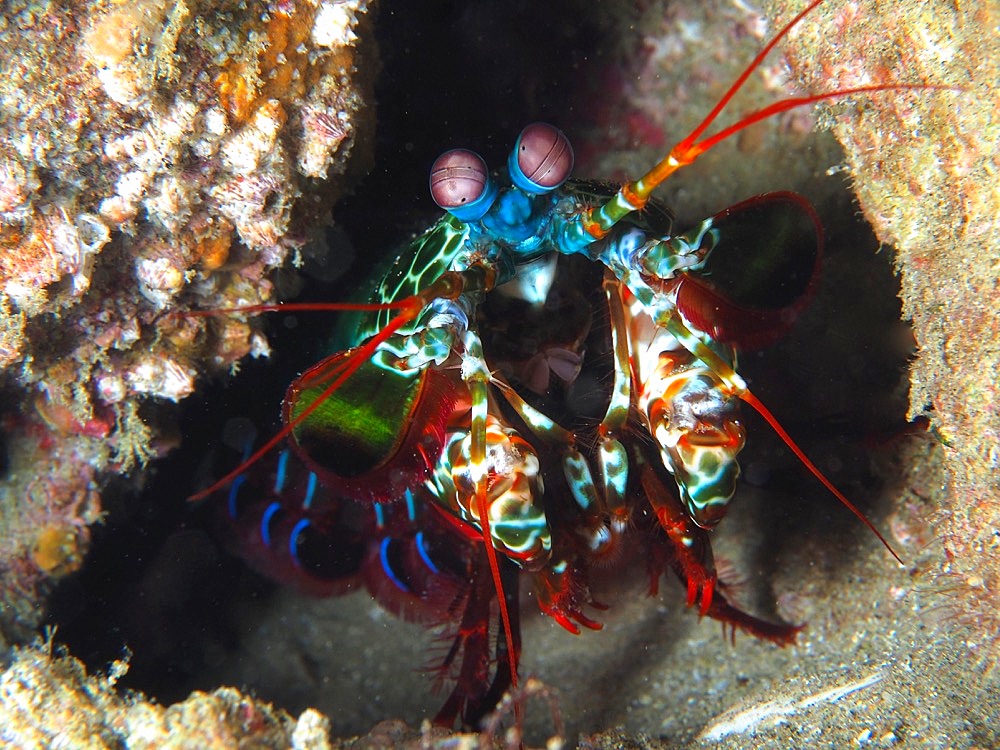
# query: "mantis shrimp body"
[[458, 448]]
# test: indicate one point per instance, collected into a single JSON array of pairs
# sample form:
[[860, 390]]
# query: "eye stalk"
[[542, 159], [461, 184]]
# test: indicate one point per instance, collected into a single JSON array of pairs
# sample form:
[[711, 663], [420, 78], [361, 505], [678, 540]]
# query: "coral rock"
[[174, 153]]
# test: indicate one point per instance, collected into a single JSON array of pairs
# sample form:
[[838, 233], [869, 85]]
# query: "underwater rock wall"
[[49, 700], [924, 166], [155, 157]]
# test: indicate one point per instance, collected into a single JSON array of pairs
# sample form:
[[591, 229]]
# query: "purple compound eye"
[[542, 158], [461, 184]]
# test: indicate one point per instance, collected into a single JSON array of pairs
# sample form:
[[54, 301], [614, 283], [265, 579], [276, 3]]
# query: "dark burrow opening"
[[158, 581]]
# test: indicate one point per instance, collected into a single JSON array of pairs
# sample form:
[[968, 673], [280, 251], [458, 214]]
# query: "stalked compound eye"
[[542, 159], [461, 184]]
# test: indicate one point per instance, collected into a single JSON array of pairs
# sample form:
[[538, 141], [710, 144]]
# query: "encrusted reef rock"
[[185, 139], [49, 700], [924, 166], [154, 156]]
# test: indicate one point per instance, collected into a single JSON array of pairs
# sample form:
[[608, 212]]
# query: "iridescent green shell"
[[422, 261]]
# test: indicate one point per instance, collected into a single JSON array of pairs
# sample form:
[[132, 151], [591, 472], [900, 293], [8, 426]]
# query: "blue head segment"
[[461, 184], [542, 159]]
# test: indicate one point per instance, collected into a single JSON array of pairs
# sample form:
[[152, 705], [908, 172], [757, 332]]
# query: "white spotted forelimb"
[[690, 408]]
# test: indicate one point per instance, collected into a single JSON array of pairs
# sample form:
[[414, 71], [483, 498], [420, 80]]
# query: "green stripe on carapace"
[[359, 426]]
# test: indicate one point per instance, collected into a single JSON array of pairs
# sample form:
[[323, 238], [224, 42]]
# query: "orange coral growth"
[[168, 138], [61, 417], [57, 550], [285, 60], [210, 241], [57, 416], [283, 64], [236, 93], [213, 252]]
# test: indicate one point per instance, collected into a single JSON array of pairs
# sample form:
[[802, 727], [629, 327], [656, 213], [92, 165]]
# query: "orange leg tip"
[[567, 623], [707, 592]]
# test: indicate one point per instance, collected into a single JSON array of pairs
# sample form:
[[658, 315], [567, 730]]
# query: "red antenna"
[[634, 195]]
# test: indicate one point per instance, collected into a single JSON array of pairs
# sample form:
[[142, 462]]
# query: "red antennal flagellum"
[[447, 286], [813, 469], [729, 376], [411, 307], [634, 195], [293, 307]]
